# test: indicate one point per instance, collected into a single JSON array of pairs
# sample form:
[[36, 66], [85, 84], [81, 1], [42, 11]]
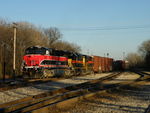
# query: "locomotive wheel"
[[84, 72], [67, 73], [31, 74], [48, 73], [91, 72]]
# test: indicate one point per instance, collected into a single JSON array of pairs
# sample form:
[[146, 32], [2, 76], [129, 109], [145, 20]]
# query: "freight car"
[[119, 65], [102, 64], [41, 62]]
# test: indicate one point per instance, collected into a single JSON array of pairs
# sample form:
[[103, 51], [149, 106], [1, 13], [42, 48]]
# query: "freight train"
[[42, 62]]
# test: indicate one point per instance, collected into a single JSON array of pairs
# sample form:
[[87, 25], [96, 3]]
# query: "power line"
[[105, 28]]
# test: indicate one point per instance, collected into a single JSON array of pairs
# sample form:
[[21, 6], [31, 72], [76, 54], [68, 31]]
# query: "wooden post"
[[14, 53], [4, 69]]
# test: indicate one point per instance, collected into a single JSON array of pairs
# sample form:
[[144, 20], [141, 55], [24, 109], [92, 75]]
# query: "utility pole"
[[4, 63], [104, 63], [123, 55], [14, 45], [107, 55]]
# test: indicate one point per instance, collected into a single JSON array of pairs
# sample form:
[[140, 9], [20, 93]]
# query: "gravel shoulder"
[[118, 101], [126, 76]]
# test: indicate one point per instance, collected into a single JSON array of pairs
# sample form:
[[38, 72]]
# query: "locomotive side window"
[[41, 51]]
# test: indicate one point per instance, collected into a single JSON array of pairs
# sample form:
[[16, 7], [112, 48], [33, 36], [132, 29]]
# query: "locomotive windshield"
[[36, 50]]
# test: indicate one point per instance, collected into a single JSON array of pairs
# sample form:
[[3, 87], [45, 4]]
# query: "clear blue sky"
[[98, 26]]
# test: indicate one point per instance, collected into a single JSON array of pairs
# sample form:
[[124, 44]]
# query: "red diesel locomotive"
[[46, 62]]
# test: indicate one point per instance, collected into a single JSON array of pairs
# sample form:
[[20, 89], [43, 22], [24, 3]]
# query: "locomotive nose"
[[34, 63], [31, 60]]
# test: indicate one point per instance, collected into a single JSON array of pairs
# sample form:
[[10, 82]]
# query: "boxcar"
[[102, 64]]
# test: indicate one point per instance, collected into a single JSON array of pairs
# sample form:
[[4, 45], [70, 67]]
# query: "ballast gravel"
[[14, 94], [128, 99], [132, 100], [118, 101]]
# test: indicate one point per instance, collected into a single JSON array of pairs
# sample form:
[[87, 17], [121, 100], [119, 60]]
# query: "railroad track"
[[44, 101], [13, 84], [35, 102], [143, 75], [88, 93], [18, 83]]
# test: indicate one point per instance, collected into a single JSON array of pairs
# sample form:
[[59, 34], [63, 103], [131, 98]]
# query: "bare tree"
[[27, 35], [134, 60], [145, 47], [6, 35], [64, 45], [53, 34], [3, 22]]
